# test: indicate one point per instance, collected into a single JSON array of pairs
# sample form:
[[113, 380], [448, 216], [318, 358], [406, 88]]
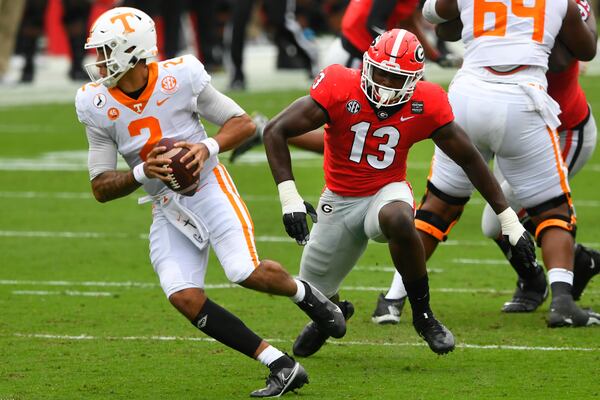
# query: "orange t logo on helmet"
[[123, 19]]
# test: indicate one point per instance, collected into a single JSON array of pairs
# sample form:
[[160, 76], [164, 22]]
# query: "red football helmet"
[[398, 52]]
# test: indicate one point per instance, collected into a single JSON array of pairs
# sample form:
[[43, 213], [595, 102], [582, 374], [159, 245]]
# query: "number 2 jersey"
[[366, 148], [167, 107]]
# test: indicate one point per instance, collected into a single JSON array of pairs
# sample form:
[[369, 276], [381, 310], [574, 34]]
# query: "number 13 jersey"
[[366, 148]]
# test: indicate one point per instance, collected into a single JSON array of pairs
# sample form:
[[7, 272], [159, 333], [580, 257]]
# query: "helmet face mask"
[[392, 66], [121, 37]]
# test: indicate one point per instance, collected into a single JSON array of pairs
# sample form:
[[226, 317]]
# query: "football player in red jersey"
[[372, 117]]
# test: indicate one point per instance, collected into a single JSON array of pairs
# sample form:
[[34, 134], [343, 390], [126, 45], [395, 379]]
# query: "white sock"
[[268, 355], [397, 290], [300, 291], [560, 275]]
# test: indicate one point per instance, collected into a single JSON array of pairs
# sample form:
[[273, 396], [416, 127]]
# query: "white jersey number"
[[388, 149], [499, 11]]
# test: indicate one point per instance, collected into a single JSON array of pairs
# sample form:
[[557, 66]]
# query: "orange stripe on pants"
[[564, 184], [248, 232]]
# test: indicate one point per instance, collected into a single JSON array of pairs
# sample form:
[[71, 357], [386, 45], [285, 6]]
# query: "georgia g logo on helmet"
[[419, 54]]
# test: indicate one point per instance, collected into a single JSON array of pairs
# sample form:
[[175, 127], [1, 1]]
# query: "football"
[[181, 180]]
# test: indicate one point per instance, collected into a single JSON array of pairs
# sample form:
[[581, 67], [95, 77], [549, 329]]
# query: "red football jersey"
[[365, 149], [354, 21], [564, 87]]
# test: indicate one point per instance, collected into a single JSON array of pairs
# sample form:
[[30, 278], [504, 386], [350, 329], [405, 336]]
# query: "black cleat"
[[437, 336], [310, 340], [564, 312], [388, 311], [529, 295], [587, 264], [255, 140], [283, 380], [327, 316]]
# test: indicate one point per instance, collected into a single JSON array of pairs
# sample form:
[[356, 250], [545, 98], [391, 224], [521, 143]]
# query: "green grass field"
[[83, 316]]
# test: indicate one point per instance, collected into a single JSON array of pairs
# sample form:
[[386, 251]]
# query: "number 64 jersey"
[[366, 148], [166, 108], [508, 32]]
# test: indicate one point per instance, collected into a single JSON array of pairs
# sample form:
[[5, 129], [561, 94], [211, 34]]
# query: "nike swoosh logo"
[[291, 375], [160, 102], [402, 119]]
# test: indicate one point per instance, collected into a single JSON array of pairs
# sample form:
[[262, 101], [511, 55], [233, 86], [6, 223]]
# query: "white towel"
[[181, 218], [543, 104]]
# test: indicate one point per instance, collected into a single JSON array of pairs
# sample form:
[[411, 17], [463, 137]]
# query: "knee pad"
[[555, 221], [434, 225], [566, 222]]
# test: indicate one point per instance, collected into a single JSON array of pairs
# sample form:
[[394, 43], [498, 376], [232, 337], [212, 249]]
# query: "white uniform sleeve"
[[217, 108], [102, 155]]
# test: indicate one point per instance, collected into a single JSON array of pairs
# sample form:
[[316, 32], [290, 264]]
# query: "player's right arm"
[[579, 36], [301, 116], [108, 183]]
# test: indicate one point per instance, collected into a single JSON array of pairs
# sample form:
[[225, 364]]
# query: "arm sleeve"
[[217, 108], [377, 20], [102, 155]]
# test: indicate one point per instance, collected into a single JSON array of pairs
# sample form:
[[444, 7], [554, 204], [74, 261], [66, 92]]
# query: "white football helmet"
[[398, 52], [123, 35]]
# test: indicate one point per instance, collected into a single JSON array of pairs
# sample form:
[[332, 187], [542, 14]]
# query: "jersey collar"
[[138, 105]]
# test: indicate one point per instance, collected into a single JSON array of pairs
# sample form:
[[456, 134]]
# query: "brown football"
[[181, 179]]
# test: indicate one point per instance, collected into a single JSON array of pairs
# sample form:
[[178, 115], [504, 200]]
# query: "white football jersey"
[[166, 108], [510, 32]]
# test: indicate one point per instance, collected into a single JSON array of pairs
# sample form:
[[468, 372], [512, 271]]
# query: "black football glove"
[[296, 225], [522, 254]]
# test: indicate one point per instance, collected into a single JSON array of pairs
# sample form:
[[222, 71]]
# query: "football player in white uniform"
[[499, 96], [131, 104]]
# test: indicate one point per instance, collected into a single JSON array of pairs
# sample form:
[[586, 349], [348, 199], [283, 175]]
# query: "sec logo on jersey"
[[353, 106], [168, 84]]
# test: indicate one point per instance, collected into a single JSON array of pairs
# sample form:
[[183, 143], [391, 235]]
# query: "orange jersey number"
[[500, 14], [150, 124]]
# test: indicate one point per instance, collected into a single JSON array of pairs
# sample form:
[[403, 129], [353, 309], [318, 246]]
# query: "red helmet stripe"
[[396, 46]]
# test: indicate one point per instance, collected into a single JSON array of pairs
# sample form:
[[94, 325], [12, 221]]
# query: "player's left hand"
[[197, 156], [523, 251], [296, 225]]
